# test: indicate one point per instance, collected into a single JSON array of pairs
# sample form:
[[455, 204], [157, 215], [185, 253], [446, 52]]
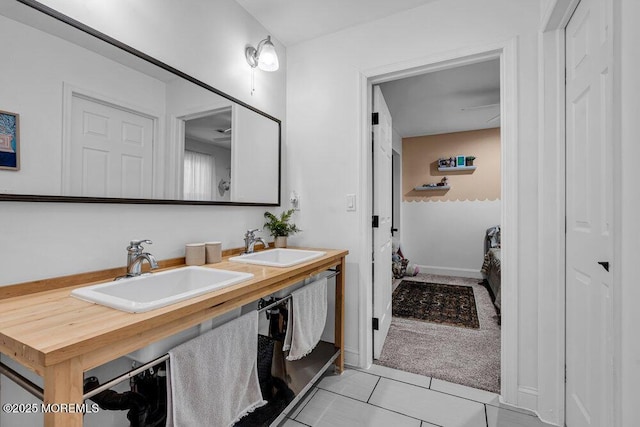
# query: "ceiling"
[[294, 21], [453, 100], [212, 129]]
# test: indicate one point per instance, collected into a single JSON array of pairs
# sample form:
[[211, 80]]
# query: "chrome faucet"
[[250, 240], [135, 257]]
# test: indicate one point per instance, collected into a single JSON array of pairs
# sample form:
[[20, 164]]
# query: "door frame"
[[507, 53]]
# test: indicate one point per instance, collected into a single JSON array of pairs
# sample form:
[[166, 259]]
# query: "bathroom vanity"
[[60, 337]]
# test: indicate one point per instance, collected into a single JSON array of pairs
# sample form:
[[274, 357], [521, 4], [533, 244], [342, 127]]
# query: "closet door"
[[589, 339]]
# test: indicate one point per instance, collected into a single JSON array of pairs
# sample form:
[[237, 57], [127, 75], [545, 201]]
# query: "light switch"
[[351, 202]]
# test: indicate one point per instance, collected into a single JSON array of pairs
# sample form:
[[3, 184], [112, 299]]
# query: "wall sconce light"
[[264, 56]]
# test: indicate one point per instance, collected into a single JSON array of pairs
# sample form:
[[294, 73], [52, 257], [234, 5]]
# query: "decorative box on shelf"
[[459, 162]]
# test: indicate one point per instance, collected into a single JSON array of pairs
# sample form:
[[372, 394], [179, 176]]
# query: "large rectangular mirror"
[[101, 122]]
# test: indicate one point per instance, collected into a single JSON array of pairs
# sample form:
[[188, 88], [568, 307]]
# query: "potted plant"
[[469, 160], [280, 227]]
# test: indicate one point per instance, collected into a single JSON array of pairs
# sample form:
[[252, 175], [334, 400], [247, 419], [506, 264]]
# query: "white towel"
[[307, 317], [214, 378]]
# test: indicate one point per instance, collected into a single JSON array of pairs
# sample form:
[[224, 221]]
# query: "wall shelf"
[[425, 188], [457, 168]]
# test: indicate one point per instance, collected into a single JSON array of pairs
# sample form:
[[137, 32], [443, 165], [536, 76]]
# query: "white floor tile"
[[478, 395], [505, 418], [426, 424], [351, 383], [394, 374], [432, 406], [327, 409]]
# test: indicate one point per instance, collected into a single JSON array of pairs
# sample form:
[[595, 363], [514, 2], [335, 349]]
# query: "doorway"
[[446, 132], [207, 156], [508, 212]]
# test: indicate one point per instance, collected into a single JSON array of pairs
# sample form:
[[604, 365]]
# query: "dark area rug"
[[437, 303], [464, 356]]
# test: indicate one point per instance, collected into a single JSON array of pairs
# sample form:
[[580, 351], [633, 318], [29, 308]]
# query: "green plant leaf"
[[280, 226]]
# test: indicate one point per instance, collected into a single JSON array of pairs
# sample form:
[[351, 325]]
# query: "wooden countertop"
[[45, 328]]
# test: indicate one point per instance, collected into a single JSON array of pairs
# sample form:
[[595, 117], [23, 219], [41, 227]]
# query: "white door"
[[382, 276], [589, 334], [110, 151]]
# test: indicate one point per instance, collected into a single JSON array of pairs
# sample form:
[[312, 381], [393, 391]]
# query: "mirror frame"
[[110, 40]]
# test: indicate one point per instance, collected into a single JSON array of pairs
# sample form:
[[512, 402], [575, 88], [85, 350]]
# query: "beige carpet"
[[464, 356]]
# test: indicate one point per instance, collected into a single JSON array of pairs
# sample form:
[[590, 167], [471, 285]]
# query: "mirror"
[[102, 122]]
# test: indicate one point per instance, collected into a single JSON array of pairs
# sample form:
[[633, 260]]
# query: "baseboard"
[[528, 398], [352, 358], [451, 271]]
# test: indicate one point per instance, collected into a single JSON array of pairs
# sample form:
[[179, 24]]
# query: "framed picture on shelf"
[[9, 141], [460, 160]]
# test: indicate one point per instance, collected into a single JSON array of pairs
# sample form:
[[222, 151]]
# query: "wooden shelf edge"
[[441, 187], [457, 168]]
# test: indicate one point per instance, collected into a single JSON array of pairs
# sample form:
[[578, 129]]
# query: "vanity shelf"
[[457, 168], [77, 336], [425, 188]]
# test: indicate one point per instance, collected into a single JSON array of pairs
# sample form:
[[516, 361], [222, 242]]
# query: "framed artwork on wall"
[[9, 141]]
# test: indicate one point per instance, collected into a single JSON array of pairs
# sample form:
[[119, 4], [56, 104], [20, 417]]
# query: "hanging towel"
[[307, 317], [214, 378]]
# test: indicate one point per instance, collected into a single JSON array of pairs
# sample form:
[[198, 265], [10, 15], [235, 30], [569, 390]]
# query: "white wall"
[[627, 252], [203, 38], [324, 116], [447, 237]]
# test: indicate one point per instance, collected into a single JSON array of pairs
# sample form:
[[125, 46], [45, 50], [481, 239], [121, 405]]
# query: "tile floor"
[[381, 397]]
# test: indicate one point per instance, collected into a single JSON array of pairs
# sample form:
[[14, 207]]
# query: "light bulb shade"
[[267, 56], [264, 57]]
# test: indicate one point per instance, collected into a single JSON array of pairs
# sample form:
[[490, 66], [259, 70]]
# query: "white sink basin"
[[144, 293], [278, 257]]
